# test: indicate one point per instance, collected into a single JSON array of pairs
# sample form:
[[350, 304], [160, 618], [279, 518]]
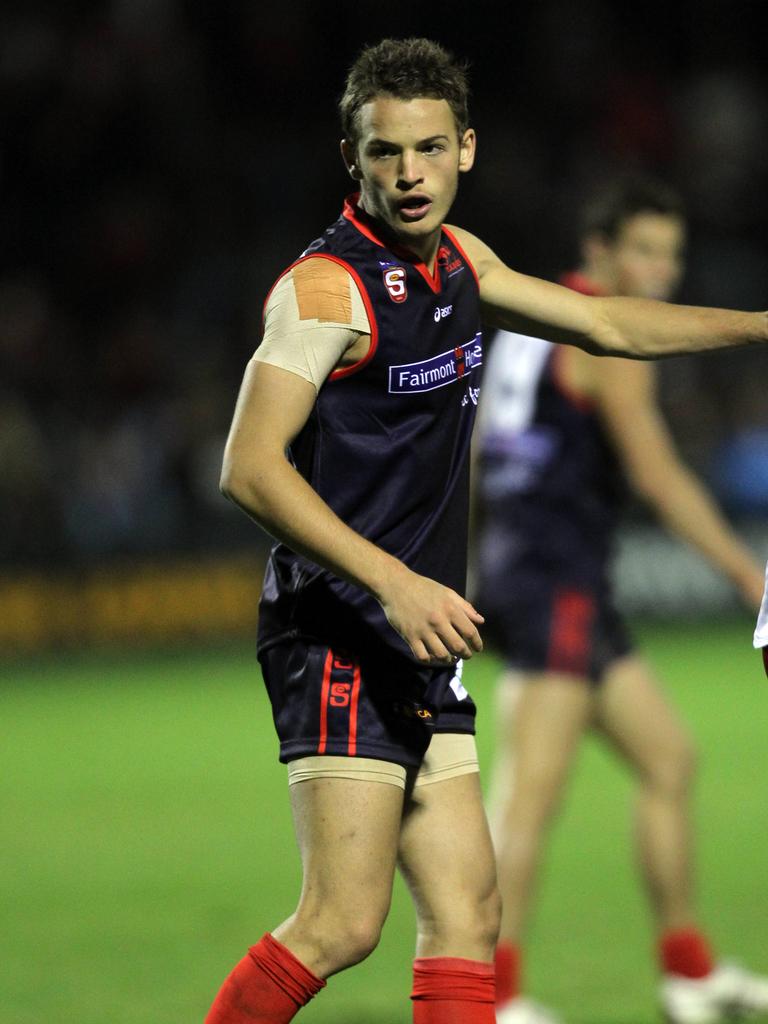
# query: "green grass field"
[[147, 841]]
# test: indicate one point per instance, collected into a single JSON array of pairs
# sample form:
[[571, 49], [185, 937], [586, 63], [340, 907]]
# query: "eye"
[[433, 148]]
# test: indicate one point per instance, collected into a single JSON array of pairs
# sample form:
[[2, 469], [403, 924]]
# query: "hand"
[[438, 624]]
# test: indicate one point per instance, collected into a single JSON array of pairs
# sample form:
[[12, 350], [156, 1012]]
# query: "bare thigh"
[[347, 832], [637, 718], [540, 720]]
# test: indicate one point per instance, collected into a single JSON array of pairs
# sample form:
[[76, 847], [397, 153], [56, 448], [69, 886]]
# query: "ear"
[[467, 147], [349, 156]]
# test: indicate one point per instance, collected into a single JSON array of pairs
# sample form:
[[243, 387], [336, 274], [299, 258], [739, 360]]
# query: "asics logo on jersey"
[[394, 281], [438, 371], [441, 312]]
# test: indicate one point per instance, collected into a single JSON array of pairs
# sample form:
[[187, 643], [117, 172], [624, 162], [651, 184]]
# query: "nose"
[[409, 171]]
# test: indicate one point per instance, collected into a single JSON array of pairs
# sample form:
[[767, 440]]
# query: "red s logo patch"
[[394, 280]]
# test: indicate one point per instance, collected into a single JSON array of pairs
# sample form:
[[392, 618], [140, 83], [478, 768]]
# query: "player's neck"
[[424, 250]]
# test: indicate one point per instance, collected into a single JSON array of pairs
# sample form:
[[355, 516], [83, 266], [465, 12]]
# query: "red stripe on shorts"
[[324, 702], [352, 747], [570, 635]]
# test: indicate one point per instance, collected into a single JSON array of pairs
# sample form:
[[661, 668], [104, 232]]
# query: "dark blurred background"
[[162, 161]]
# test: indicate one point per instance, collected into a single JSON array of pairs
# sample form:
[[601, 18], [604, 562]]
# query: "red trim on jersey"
[[433, 279], [366, 226], [324, 694], [578, 282], [570, 645], [580, 399], [467, 260], [352, 747]]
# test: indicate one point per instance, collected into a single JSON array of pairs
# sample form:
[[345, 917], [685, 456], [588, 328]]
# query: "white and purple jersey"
[[550, 484]]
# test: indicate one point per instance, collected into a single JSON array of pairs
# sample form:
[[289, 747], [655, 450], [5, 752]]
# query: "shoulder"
[[322, 271], [481, 256], [324, 287]]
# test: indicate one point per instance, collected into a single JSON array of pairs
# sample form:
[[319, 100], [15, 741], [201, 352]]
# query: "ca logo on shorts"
[[394, 281]]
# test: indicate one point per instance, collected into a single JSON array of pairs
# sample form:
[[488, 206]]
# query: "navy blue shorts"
[[327, 701], [540, 624]]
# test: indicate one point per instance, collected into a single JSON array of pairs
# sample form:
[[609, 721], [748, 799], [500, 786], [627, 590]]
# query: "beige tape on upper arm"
[[323, 291], [309, 336]]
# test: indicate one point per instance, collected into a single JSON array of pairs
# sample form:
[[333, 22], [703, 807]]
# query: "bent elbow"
[[227, 481], [234, 484], [246, 486]]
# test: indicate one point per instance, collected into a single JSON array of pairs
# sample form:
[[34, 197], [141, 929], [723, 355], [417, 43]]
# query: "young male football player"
[[368, 377], [562, 435]]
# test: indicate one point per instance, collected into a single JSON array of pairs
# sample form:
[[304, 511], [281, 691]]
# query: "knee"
[[358, 937], [489, 918], [343, 938], [470, 921], [674, 770], [526, 814]]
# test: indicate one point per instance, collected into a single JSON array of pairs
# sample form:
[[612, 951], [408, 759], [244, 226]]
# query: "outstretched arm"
[[635, 328], [273, 406], [626, 401]]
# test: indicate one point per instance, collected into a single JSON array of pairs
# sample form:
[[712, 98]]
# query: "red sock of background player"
[[268, 986], [685, 951], [452, 990], [508, 965]]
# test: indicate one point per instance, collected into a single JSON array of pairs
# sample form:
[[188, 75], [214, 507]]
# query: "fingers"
[[446, 641], [473, 614], [420, 652], [466, 626], [438, 624]]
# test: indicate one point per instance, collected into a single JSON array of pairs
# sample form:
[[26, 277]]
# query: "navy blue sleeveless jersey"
[[387, 443], [552, 488]]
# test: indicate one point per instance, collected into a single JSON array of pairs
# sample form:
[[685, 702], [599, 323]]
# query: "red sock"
[[508, 963], [268, 986], [452, 990], [685, 951]]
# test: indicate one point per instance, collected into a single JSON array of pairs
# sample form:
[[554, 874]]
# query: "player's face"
[[647, 256], [407, 161]]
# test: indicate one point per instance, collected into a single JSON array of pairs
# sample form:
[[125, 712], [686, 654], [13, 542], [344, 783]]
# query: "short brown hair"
[[622, 199], [406, 69]]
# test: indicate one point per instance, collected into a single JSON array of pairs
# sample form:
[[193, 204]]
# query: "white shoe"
[[728, 993], [525, 1011]]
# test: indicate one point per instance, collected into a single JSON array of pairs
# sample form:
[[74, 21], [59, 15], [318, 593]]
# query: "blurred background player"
[[562, 434]]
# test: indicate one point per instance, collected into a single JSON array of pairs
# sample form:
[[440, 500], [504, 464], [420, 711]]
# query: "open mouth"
[[415, 207]]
